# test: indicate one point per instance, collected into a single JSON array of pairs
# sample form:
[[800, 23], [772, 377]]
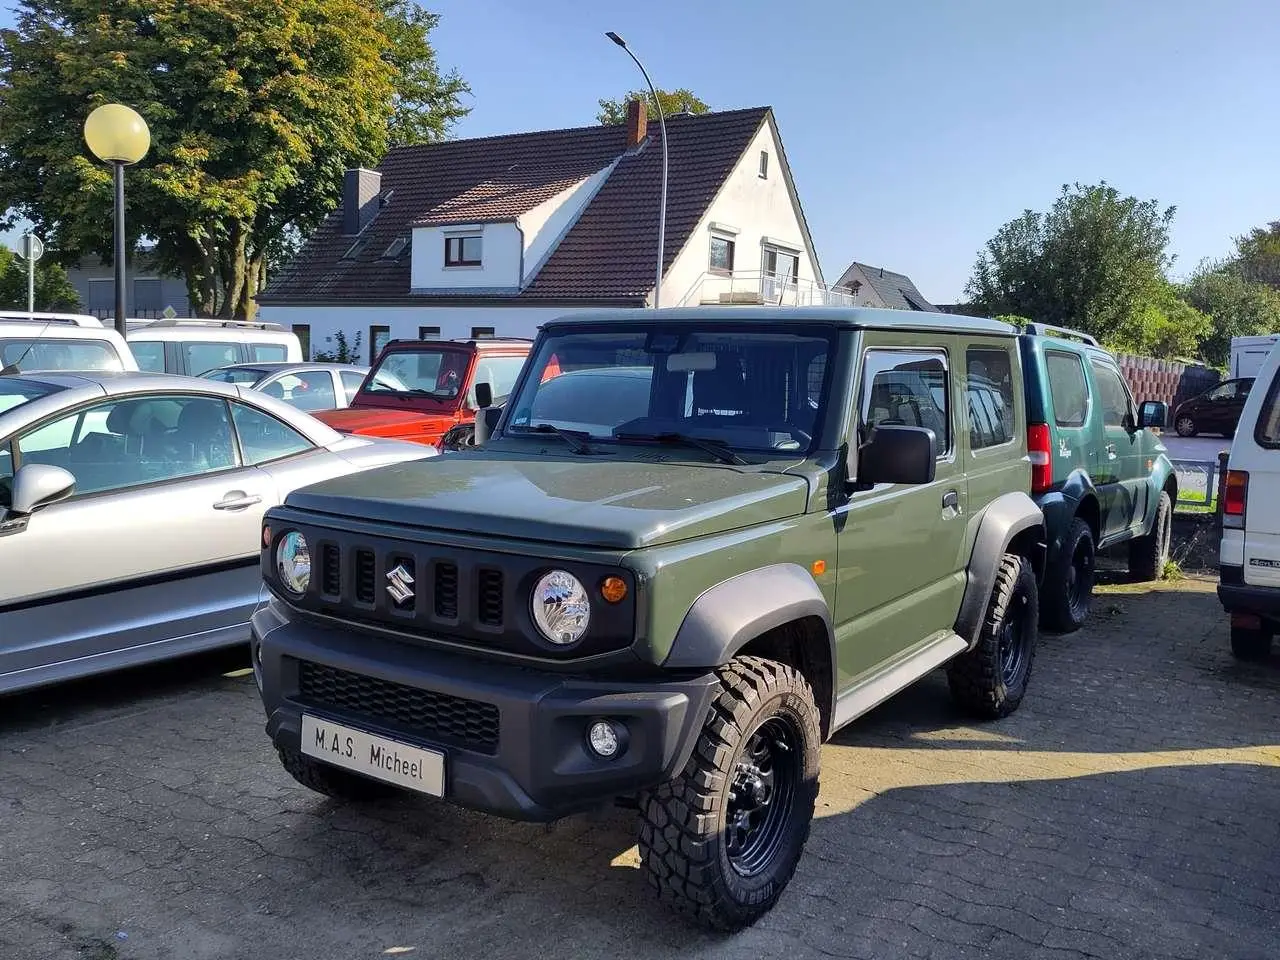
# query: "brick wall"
[[1165, 380]]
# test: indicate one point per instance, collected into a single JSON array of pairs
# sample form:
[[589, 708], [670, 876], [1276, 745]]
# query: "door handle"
[[951, 499], [1111, 451], [237, 500]]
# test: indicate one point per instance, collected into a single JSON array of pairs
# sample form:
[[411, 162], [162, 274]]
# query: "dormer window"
[[462, 251]]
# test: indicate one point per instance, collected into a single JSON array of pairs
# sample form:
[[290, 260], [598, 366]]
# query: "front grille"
[[446, 591], [330, 576], [364, 576], [489, 598], [433, 716]]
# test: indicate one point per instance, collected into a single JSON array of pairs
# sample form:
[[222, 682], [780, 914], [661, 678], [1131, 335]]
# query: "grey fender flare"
[[1008, 515]]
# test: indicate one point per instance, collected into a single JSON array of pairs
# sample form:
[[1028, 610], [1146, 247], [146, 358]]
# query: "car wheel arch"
[[1012, 523]]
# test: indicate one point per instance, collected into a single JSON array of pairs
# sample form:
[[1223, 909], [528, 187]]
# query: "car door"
[[899, 545], [1121, 460], [1232, 409], [157, 546]]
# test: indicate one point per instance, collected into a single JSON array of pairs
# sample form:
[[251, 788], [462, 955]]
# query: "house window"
[[462, 251], [764, 164], [481, 333], [721, 260], [428, 333], [396, 249], [303, 333], [378, 337]]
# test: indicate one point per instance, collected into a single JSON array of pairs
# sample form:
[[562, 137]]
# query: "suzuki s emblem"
[[400, 584]]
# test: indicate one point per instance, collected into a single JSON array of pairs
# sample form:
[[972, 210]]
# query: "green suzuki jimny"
[[692, 546]]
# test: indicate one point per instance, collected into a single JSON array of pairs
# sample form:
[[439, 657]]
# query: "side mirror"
[[1152, 413], [484, 395], [486, 422], [897, 454], [37, 485]]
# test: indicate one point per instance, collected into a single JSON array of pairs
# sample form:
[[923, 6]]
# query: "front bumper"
[[514, 739]]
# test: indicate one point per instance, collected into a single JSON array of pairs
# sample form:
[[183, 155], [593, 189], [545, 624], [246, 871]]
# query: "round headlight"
[[561, 607], [293, 562]]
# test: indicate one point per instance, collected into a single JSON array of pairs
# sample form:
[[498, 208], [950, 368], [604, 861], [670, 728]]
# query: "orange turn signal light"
[[266, 535], [819, 567], [613, 589]]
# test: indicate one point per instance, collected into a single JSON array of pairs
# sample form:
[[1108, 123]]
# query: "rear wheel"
[[1148, 554], [1068, 587], [1185, 425], [1252, 644]]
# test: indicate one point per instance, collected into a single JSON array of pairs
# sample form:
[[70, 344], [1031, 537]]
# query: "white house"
[[492, 236]]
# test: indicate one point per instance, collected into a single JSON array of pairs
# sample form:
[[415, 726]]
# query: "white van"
[[192, 346], [1249, 353], [1249, 557], [60, 341]]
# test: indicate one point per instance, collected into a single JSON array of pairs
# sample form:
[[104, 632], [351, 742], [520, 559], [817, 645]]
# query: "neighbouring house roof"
[[607, 255], [894, 290]]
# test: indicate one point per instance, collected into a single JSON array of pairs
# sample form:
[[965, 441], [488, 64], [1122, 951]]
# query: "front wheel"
[[1148, 554], [1185, 426], [720, 842]]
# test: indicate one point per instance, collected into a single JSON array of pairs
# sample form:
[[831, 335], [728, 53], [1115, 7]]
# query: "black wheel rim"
[[1013, 645], [1080, 579], [762, 791]]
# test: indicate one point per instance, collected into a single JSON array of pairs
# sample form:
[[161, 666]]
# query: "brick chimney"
[[637, 123]]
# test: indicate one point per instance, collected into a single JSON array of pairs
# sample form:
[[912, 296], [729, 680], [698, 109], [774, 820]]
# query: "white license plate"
[[414, 768]]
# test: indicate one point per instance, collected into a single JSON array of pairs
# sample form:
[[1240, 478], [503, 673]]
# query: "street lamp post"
[[118, 135], [662, 207]]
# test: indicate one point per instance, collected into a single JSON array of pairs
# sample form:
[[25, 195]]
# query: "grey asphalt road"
[[1129, 810]]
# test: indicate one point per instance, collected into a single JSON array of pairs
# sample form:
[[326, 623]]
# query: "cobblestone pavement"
[[1130, 809]]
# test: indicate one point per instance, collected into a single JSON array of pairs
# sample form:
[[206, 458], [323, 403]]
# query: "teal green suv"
[[1099, 472]]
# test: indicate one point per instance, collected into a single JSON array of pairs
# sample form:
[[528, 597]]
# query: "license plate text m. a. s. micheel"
[[402, 764]]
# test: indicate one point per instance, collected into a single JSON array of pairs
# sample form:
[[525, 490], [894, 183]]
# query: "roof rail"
[[204, 322], [75, 319], [1065, 333]]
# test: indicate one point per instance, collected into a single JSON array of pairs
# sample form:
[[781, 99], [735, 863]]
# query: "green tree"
[[673, 101], [1162, 325], [53, 292], [255, 107], [1094, 262], [1258, 254], [1236, 306]]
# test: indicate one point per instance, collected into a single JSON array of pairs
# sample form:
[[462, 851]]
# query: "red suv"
[[424, 390]]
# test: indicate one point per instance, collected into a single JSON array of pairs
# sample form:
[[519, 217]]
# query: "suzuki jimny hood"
[[380, 422], [613, 503]]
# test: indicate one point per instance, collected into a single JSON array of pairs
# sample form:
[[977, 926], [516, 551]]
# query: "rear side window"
[[268, 352], [205, 356], [1067, 388], [60, 354], [989, 392], [149, 354], [1267, 432]]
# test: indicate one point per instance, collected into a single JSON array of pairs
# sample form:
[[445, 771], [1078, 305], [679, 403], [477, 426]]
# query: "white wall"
[[499, 258], [550, 220], [758, 209], [404, 322]]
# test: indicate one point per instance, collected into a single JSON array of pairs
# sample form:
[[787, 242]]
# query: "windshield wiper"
[[714, 447], [576, 439]]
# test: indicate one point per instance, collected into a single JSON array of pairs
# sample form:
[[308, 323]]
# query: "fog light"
[[603, 738]]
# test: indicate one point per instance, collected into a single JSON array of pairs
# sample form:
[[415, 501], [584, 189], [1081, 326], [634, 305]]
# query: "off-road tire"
[[1185, 426], [978, 681], [1147, 554], [1253, 645], [1059, 611], [683, 840], [331, 781]]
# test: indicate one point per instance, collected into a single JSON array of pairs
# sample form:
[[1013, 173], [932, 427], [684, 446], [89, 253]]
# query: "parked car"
[[1099, 472], [130, 513], [1217, 410], [307, 386], [190, 346], [435, 400], [674, 595], [61, 341], [1249, 554]]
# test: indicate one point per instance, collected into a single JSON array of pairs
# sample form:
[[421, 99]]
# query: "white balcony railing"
[[764, 288]]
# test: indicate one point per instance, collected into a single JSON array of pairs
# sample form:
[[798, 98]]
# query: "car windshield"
[[432, 373], [739, 388], [14, 392], [60, 354], [234, 375]]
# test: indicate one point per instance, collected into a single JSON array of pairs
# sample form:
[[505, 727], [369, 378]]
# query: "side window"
[[1067, 388], [989, 391], [1242, 388], [312, 390], [1226, 391], [907, 388], [499, 372], [268, 352], [1112, 394], [1267, 431], [264, 438], [205, 356], [351, 381], [149, 354], [6, 476], [135, 441]]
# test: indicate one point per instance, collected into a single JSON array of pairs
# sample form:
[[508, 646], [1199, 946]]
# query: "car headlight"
[[293, 562], [561, 607]]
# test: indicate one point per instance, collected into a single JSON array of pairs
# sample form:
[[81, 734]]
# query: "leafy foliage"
[[1162, 325], [673, 101], [1093, 262], [1236, 305], [255, 108], [344, 351], [53, 289], [1258, 254]]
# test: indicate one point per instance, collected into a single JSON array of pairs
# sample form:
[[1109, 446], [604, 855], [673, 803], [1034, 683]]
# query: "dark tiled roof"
[[895, 289], [609, 252]]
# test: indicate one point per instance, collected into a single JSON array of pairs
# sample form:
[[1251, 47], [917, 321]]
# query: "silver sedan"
[[131, 510]]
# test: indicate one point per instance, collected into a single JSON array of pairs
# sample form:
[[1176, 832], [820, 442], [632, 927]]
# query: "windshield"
[[743, 389], [60, 354], [14, 392], [435, 373], [234, 375]]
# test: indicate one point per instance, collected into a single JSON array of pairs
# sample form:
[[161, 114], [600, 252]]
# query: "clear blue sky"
[[916, 128]]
